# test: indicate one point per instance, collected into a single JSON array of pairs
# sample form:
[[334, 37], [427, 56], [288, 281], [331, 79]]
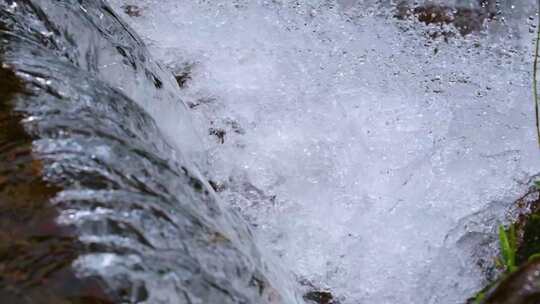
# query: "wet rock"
[[36, 253], [201, 101], [528, 226], [183, 75], [320, 297], [317, 295], [217, 186], [218, 133], [132, 10], [521, 287], [465, 19], [182, 79]]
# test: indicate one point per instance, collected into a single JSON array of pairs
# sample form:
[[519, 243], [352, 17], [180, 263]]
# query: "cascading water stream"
[[372, 146], [99, 204]]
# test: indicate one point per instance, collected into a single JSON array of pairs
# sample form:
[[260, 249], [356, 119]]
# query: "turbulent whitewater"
[[259, 151], [372, 155]]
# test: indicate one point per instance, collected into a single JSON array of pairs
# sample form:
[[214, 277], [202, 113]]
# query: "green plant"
[[480, 296], [534, 256], [507, 260], [508, 244], [509, 250]]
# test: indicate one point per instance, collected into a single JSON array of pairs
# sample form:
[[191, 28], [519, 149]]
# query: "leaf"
[[480, 296], [534, 256], [503, 243], [499, 263], [512, 240], [508, 247]]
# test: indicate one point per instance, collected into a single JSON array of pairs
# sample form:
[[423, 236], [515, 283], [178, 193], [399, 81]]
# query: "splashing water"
[[358, 145]]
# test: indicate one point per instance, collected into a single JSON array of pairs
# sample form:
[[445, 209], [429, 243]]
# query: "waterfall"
[[124, 214]]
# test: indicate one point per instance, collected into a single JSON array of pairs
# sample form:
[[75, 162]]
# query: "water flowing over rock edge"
[[142, 221]]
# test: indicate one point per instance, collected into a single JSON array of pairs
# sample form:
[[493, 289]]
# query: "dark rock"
[[132, 10], [465, 19], [521, 287], [528, 226], [219, 133], [35, 252], [320, 297], [217, 186], [201, 101], [183, 75], [182, 79], [317, 295]]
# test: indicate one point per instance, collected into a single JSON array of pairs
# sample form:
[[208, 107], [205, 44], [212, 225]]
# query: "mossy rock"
[[530, 241], [521, 286]]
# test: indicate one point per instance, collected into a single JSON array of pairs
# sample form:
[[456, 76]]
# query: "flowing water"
[[100, 204], [373, 155], [341, 145]]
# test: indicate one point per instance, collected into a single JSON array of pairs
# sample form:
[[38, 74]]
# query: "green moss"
[[480, 296], [530, 244]]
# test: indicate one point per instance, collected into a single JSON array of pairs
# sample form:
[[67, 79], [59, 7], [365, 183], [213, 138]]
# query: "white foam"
[[354, 143]]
